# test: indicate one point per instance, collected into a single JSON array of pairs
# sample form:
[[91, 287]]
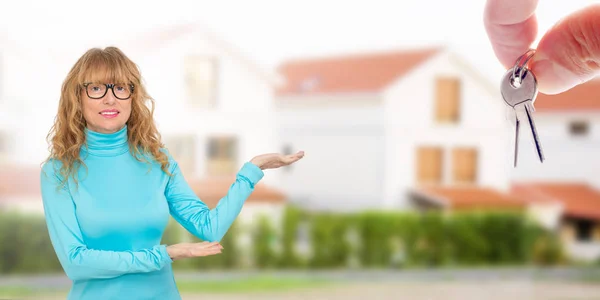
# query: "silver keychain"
[[519, 90]]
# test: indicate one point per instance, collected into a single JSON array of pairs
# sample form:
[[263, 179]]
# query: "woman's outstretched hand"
[[187, 250], [276, 160]]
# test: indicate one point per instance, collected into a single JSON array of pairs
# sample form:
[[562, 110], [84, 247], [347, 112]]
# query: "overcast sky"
[[269, 31]]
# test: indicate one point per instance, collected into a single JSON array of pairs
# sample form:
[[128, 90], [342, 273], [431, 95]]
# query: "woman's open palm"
[[276, 160], [188, 250]]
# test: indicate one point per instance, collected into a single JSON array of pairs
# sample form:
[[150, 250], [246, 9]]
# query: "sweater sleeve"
[[195, 216], [78, 261]]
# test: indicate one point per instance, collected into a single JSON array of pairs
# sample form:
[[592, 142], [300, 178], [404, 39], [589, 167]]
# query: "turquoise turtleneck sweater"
[[107, 230]]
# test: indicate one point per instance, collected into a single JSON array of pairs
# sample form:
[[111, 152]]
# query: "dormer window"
[[201, 80]]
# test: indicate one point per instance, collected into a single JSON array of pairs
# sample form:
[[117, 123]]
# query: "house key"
[[519, 90]]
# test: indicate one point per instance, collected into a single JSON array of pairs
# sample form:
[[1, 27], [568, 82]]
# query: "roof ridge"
[[361, 54]]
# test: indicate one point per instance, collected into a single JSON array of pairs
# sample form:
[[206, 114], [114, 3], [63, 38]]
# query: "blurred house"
[[377, 125], [420, 129]]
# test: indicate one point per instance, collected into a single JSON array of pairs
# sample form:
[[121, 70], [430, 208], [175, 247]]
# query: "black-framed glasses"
[[121, 91]]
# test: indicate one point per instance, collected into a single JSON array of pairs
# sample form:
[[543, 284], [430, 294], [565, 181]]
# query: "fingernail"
[[552, 77]]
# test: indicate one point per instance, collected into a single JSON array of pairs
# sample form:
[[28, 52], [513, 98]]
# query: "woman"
[[109, 186]]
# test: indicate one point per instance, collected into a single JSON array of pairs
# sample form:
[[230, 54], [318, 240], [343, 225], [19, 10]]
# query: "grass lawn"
[[252, 284], [245, 285], [12, 292]]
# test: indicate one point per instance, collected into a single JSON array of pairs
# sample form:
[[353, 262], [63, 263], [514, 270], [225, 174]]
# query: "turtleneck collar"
[[106, 144]]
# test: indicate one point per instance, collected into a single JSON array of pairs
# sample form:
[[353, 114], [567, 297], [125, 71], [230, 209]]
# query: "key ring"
[[522, 68]]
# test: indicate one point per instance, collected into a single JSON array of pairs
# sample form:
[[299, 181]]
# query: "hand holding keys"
[[519, 90]]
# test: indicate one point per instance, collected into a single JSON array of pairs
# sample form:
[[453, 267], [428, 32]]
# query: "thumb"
[[569, 53]]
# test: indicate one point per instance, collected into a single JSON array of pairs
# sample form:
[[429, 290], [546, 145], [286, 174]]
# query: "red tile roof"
[[211, 190], [580, 200], [584, 97], [372, 72], [350, 73], [467, 198]]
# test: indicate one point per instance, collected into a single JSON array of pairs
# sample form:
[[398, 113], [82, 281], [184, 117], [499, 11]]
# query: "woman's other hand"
[[187, 250], [276, 160]]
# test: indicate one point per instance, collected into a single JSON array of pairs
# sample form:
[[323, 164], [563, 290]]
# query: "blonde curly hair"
[[67, 134]]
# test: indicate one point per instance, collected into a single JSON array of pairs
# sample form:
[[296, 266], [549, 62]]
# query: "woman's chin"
[[107, 128]]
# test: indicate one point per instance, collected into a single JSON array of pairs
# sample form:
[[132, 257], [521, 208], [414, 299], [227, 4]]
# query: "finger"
[[297, 156], [216, 245], [199, 249], [206, 252], [208, 245], [511, 26], [291, 159], [569, 53]]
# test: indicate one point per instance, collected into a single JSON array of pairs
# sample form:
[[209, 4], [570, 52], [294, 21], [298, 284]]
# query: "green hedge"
[[25, 246], [369, 239]]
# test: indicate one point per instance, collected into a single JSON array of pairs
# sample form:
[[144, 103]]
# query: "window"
[[183, 149], [579, 128], [464, 165], [447, 100], [221, 156], [579, 230], [583, 230], [3, 147], [3, 142], [201, 80], [429, 165]]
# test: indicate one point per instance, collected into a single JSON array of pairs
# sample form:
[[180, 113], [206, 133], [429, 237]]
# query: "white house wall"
[[567, 158], [410, 123], [343, 139]]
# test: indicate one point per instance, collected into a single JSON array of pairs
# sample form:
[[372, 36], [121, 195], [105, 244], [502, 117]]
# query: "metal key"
[[519, 90]]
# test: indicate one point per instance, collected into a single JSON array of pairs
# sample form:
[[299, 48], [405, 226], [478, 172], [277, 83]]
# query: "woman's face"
[[109, 113]]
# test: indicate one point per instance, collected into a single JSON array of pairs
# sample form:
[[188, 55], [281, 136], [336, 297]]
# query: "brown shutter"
[[464, 165], [447, 96], [429, 168]]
